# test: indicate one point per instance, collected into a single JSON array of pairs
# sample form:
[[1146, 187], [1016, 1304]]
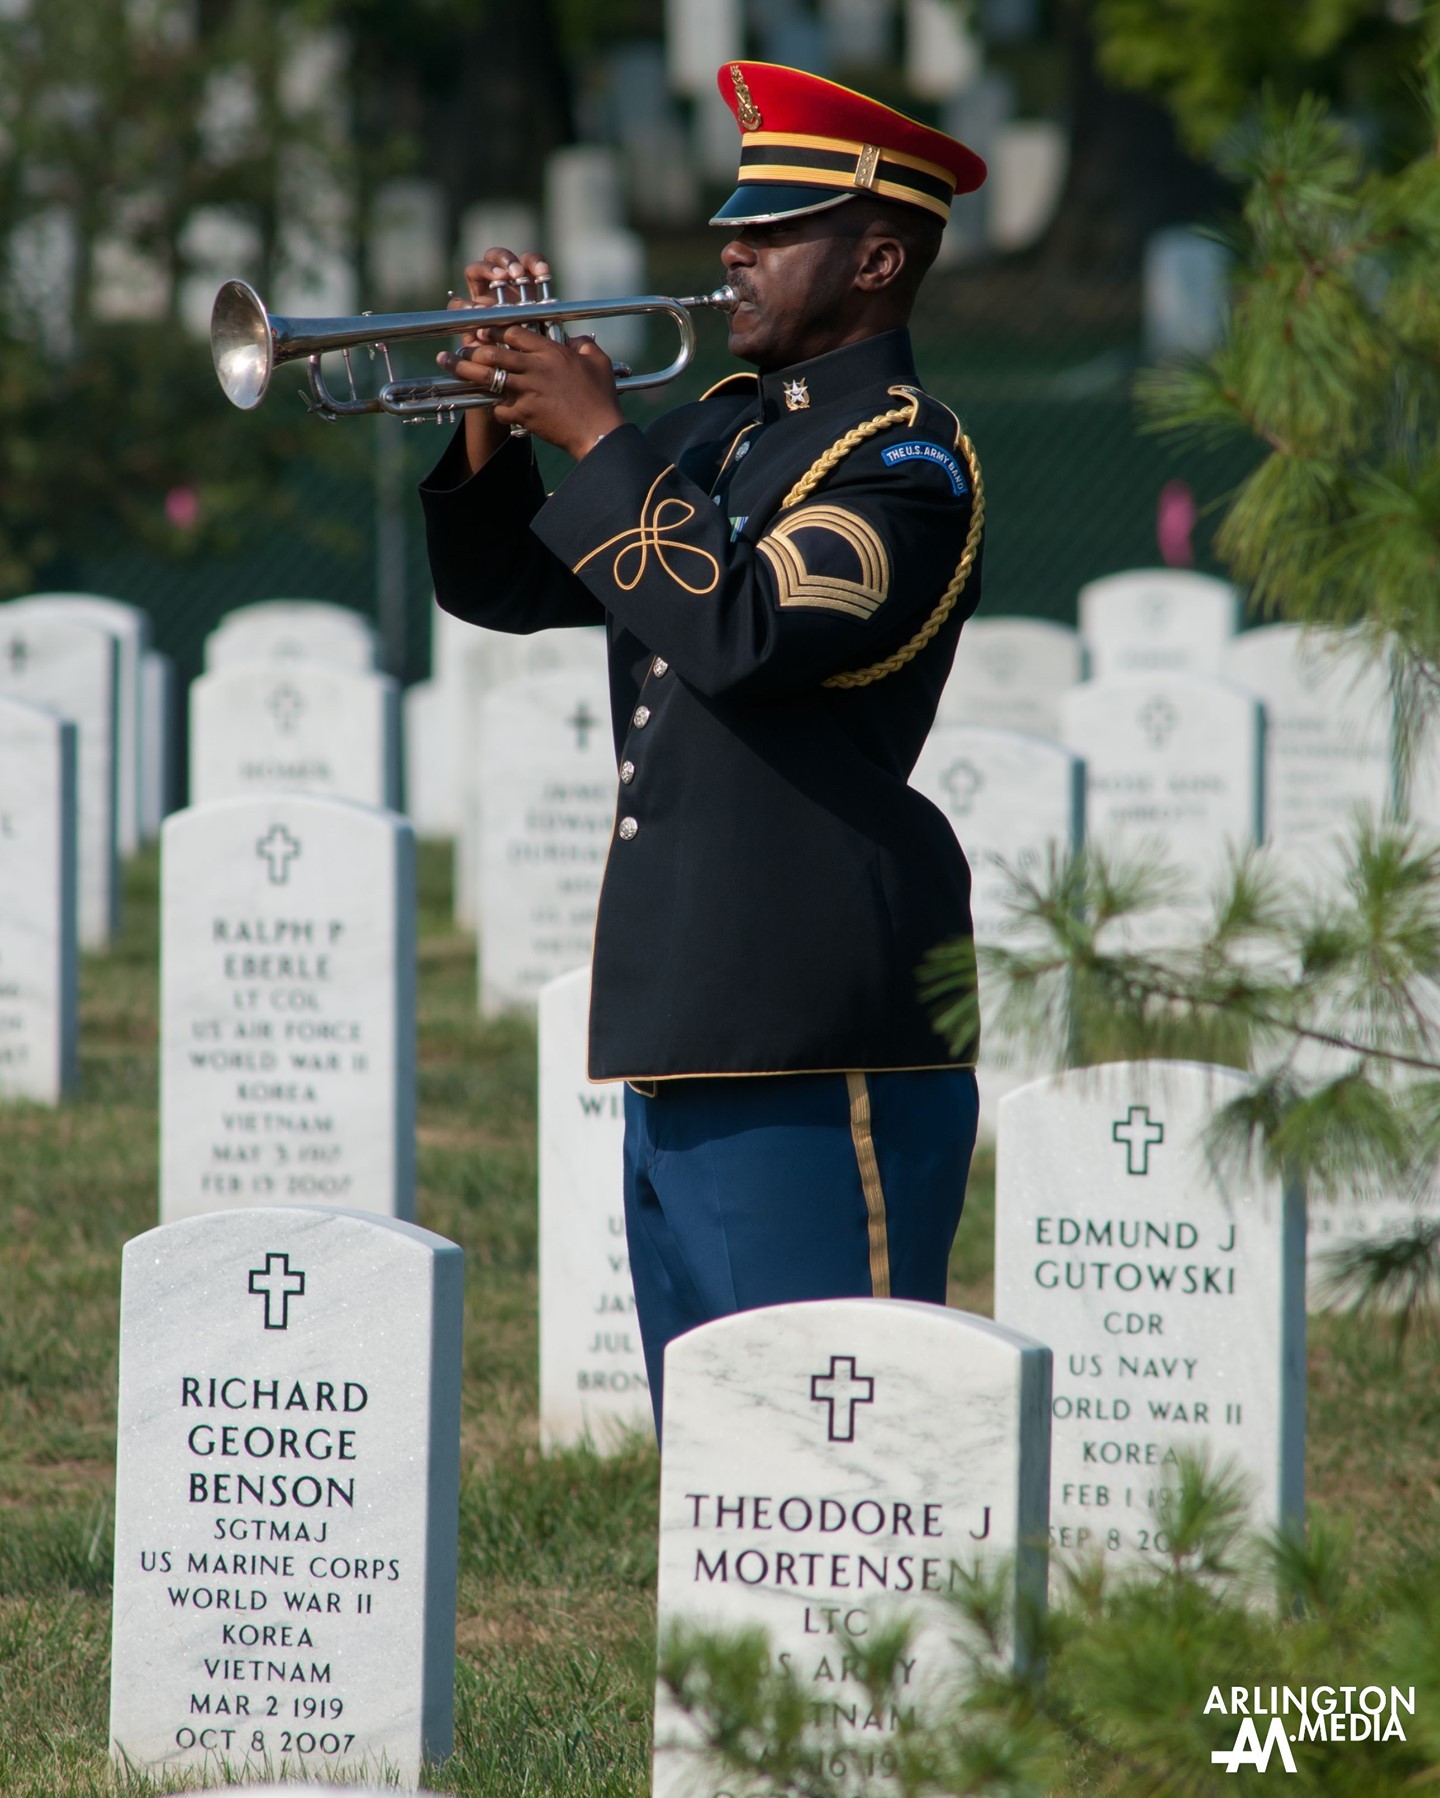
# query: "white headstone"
[[1175, 1303], [293, 630], [1185, 279], [502, 224], [1016, 803], [287, 1007], [1173, 763], [159, 722], [1010, 673], [699, 36], [1012, 799], [294, 727], [286, 1504], [592, 1369], [1032, 158], [601, 264], [483, 659], [407, 243], [131, 629], [43, 260], [546, 814], [1328, 730], [830, 1465], [941, 52], [582, 194], [217, 243], [432, 772], [38, 950], [129, 282], [1157, 621], [72, 666], [859, 30]]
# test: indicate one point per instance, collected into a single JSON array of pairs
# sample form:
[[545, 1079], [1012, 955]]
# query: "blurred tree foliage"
[[1208, 60], [131, 132], [1330, 990], [121, 122]]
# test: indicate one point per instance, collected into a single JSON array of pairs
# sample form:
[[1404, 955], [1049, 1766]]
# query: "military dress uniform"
[[783, 568]]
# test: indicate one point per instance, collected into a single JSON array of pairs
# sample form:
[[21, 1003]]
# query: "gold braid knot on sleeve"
[[837, 452]]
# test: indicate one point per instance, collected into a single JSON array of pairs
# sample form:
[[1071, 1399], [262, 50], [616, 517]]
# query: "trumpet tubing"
[[248, 344]]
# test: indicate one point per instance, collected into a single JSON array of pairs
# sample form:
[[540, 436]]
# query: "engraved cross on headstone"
[[1140, 1133], [1157, 720], [583, 722], [962, 780], [17, 652], [279, 848], [285, 706], [847, 1389], [277, 1283]]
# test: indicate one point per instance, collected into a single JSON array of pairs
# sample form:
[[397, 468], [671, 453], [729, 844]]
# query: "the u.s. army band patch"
[[843, 566], [917, 450]]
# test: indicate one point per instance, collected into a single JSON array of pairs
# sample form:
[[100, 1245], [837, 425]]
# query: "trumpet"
[[248, 344]]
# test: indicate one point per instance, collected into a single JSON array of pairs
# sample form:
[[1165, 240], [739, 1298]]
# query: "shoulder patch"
[[915, 449], [841, 567], [735, 383]]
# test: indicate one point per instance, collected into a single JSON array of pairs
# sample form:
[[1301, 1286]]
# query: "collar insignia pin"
[[797, 395]]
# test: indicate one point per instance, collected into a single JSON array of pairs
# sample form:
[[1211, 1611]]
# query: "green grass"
[[557, 1553]]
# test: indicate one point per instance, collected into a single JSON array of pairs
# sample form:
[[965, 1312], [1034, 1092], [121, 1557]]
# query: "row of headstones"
[[1176, 761], [288, 1461], [87, 773], [87, 660], [86, 776], [291, 702]]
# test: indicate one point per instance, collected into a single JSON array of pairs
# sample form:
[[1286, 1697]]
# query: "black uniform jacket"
[[773, 883]]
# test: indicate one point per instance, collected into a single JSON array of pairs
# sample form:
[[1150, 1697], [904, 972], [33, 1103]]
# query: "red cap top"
[[808, 143]]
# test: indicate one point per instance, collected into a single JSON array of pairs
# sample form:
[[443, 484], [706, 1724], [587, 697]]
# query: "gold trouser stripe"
[[858, 1088]]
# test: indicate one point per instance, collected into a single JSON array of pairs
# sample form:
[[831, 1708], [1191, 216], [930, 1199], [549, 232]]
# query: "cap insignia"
[[748, 112], [797, 395], [866, 164]]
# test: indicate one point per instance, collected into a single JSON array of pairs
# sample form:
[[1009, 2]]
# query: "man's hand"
[[563, 392]]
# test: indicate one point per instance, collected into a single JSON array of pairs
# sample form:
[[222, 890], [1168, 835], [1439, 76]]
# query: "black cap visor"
[[761, 202]]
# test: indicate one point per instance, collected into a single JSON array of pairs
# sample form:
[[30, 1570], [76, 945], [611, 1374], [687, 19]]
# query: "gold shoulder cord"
[[837, 452]]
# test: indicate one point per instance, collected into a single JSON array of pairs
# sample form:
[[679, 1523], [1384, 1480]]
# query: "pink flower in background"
[[1174, 521], [182, 508]]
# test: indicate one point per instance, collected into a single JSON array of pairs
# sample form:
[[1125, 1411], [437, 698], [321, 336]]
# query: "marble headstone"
[[130, 628], [546, 813], [1009, 673], [592, 1369], [1174, 1301], [38, 951], [293, 630], [158, 733], [72, 666], [482, 660], [1173, 763], [286, 1496], [1328, 745], [830, 1465], [294, 727], [1157, 621], [287, 1007], [1016, 803]]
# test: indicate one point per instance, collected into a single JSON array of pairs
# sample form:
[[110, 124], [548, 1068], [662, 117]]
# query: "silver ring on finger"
[[497, 380]]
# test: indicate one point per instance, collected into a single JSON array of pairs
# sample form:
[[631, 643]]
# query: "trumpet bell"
[[242, 344]]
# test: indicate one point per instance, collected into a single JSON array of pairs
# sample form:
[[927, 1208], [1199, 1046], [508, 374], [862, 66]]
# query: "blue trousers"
[[764, 1190]]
